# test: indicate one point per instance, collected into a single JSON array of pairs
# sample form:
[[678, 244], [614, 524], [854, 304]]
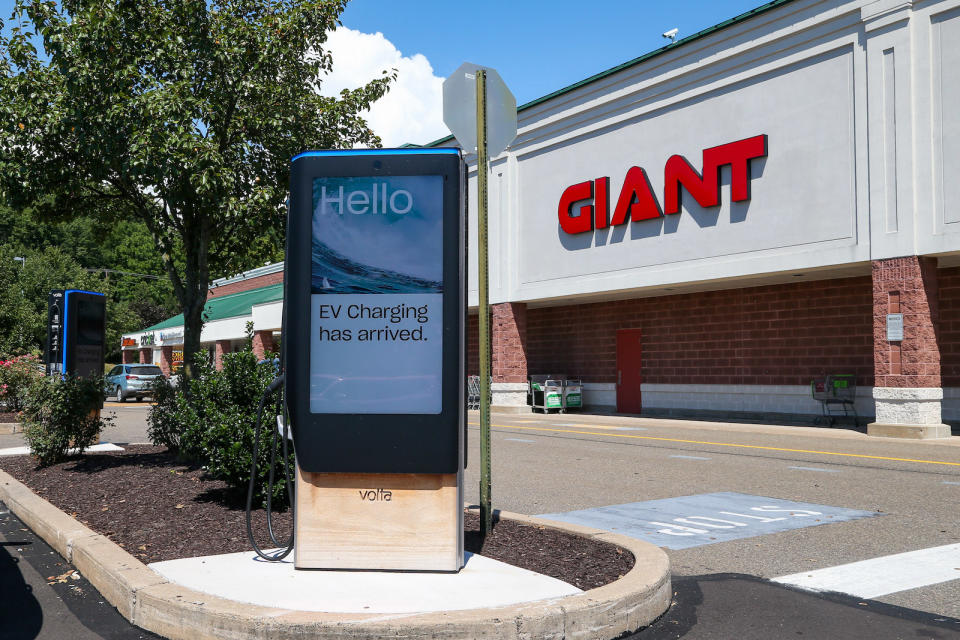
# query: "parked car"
[[132, 380]]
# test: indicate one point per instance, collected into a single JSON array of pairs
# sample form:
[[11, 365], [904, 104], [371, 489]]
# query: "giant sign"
[[637, 201]]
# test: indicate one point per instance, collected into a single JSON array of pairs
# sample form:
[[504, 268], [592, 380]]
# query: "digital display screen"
[[376, 303], [90, 317]]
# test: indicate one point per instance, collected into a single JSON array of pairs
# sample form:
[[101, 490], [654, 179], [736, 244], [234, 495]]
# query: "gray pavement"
[[727, 606], [41, 599], [130, 425], [560, 463], [557, 463]]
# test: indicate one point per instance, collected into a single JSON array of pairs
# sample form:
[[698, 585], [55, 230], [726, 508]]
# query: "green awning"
[[229, 306]]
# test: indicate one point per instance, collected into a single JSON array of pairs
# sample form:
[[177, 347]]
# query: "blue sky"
[[537, 47]]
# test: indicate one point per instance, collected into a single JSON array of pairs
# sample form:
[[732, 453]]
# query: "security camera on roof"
[[671, 34]]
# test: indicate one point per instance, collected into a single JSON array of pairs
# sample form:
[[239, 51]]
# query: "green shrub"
[[209, 419], [17, 375], [61, 414], [164, 422]]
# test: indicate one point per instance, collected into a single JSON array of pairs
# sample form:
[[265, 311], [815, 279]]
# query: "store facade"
[[712, 226], [255, 296], [706, 229]]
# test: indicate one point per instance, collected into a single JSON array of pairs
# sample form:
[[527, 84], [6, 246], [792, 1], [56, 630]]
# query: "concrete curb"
[[148, 600]]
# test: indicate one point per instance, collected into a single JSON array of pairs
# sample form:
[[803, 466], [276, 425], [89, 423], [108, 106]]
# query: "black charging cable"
[[272, 389]]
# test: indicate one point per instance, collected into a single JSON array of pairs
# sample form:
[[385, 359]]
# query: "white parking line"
[[815, 469], [884, 575], [690, 457], [518, 440], [950, 482]]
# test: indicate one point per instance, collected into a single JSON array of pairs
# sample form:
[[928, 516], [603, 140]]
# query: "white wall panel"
[[803, 192], [858, 100]]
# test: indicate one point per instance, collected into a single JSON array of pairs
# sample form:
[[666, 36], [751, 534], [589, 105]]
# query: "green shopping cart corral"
[[546, 393]]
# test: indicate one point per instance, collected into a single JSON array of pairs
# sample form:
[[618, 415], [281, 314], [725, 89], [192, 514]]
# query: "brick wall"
[[949, 281], [909, 286], [246, 285], [779, 334], [508, 343]]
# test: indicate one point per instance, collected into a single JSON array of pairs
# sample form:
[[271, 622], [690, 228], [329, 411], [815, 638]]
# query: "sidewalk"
[[684, 425]]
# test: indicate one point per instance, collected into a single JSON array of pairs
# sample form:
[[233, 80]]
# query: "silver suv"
[[132, 380]]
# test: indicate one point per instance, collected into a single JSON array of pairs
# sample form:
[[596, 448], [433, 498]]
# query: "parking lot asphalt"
[[724, 588], [561, 463]]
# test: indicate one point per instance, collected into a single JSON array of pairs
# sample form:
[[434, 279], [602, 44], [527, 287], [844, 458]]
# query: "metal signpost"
[[481, 112], [375, 308]]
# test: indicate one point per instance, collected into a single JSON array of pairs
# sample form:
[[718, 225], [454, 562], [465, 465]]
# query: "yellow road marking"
[[728, 444], [602, 426]]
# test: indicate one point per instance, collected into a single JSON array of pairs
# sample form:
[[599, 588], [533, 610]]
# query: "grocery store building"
[[707, 228], [255, 296]]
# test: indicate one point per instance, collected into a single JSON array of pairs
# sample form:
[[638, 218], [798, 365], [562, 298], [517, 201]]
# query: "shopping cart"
[[546, 393], [572, 394], [473, 393], [836, 394]]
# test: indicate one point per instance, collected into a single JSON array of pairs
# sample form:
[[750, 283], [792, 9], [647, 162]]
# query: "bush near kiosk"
[[61, 414], [17, 375], [209, 419]]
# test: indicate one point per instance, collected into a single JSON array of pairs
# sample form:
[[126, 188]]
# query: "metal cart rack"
[[572, 394], [546, 393], [473, 393], [836, 394]]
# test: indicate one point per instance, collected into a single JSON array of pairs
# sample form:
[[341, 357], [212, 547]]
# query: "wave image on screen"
[[377, 235]]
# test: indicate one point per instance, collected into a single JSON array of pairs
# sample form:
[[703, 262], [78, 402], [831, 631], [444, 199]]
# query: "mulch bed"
[[9, 416], [158, 508]]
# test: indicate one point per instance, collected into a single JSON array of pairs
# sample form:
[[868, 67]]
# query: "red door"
[[629, 346]]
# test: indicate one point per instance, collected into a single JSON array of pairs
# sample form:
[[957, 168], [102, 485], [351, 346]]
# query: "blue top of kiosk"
[[372, 152]]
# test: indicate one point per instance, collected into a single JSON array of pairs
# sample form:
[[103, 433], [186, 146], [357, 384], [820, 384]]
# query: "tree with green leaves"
[[120, 253], [25, 286], [182, 113]]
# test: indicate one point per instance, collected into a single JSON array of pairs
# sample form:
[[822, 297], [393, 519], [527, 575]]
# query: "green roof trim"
[[647, 56], [229, 306]]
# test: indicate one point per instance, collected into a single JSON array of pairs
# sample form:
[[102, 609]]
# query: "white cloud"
[[412, 111]]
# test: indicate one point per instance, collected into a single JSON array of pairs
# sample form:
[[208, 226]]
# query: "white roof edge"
[[264, 304], [246, 275]]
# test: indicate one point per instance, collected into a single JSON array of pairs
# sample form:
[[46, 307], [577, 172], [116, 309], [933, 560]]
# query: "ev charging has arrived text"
[[394, 314], [376, 353]]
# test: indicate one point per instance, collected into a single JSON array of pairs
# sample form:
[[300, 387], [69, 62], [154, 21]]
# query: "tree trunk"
[[196, 281]]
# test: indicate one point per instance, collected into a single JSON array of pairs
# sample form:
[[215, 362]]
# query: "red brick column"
[[128, 356], [508, 355], [262, 343], [146, 356], [907, 382], [166, 360], [509, 342], [221, 347]]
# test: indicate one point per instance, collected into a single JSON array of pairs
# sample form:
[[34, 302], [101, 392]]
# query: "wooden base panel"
[[388, 521]]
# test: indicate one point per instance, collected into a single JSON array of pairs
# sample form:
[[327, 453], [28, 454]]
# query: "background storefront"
[[730, 298]]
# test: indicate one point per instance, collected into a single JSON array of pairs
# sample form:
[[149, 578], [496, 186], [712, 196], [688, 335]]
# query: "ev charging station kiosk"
[[76, 332], [375, 306]]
